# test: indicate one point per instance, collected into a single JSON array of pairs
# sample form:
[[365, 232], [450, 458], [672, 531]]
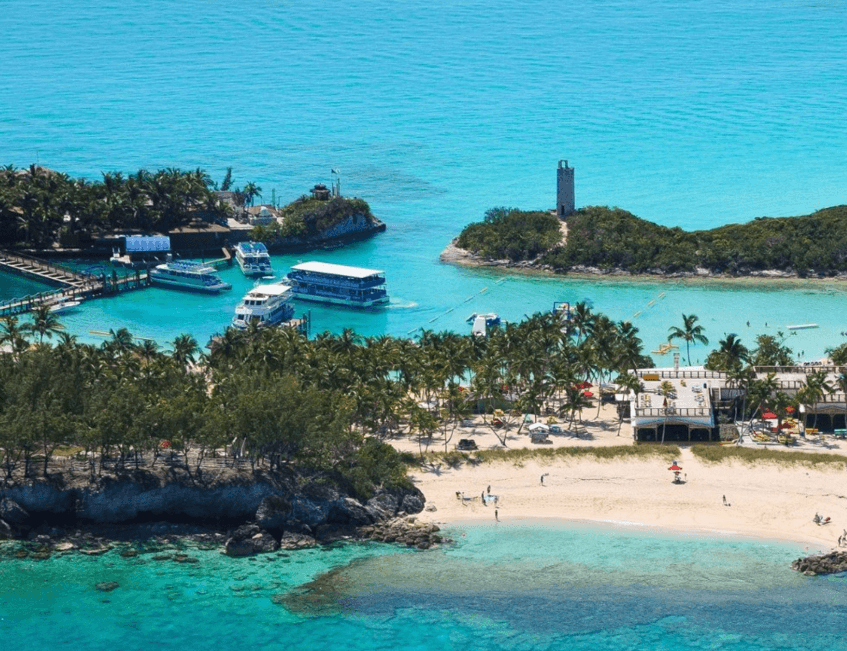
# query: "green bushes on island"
[[280, 400], [612, 239], [40, 206], [511, 234], [308, 217]]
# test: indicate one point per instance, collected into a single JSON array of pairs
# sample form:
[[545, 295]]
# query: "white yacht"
[[253, 258], [334, 283], [64, 305], [191, 276], [265, 305]]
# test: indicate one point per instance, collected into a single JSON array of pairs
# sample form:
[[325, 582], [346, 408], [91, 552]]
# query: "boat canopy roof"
[[269, 290], [252, 247], [336, 270]]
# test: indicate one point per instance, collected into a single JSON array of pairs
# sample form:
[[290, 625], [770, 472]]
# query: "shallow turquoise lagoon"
[[508, 586]]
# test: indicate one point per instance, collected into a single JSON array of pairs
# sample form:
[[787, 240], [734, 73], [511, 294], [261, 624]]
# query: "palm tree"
[[816, 387], [13, 335], [733, 353], [44, 322], [665, 389], [631, 383], [185, 347], [689, 332], [841, 383], [250, 192]]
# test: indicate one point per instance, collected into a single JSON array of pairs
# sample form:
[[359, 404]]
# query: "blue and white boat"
[[265, 305], [191, 276], [253, 258], [323, 282]]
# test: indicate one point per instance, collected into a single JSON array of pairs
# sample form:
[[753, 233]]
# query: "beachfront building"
[[676, 404], [684, 403]]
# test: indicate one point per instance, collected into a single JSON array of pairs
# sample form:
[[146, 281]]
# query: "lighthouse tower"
[[564, 190]]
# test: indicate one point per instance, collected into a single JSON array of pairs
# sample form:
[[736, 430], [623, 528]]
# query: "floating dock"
[[71, 285]]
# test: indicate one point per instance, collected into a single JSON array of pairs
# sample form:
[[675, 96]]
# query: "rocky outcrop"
[[831, 563], [266, 510], [405, 531], [350, 229]]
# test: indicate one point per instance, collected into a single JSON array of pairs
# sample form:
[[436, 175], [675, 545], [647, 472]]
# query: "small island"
[[48, 213], [603, 240]]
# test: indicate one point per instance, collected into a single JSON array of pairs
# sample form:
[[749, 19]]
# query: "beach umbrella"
[[675, 467], [588, 394], [539, 427], [769, 414], [585, 385]]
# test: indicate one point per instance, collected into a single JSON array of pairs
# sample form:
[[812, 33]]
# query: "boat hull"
[[346, 302], [202, 289]]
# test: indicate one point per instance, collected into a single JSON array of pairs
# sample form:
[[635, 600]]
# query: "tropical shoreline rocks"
[[831, 563], [241, 515]]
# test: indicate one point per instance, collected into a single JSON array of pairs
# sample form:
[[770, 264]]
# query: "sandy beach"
[[765, 500]]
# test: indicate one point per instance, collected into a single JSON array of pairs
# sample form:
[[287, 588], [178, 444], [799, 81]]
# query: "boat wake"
[[398, 304]]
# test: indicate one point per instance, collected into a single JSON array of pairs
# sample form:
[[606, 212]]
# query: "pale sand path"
[[767, 501]]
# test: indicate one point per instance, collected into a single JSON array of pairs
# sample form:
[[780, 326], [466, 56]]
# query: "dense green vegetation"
[[279, 399], [614, 239], [511, 234], [309, 218], [39, 206]]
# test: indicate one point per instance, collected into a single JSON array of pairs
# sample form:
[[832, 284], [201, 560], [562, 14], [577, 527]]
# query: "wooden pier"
[[51, 274], [71, 285]]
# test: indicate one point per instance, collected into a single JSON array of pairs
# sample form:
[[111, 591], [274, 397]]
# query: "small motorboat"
[[65, 305]]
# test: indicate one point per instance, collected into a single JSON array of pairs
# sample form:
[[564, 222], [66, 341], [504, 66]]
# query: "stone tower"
[[564, 190]]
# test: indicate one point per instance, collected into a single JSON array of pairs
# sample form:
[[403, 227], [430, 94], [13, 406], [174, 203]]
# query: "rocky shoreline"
[[452, 254], [832, 563], [142, 511]]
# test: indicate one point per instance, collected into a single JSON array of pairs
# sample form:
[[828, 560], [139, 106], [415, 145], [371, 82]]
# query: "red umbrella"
[[769, 414], [786, 425], [588, 394], [585, 385], [789, 410], [675, 467]]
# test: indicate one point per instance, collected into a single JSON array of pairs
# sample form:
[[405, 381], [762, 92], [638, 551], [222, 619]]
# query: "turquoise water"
[[686, 113], [500, 587]]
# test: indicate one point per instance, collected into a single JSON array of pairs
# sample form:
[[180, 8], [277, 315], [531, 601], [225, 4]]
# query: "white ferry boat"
[[265, 305], [253, 258], [338, 284], [192, 276]]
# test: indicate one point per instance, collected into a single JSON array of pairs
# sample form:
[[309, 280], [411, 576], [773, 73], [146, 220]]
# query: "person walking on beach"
[[542, 480], [496, 515], [489, 489], [484, 503]]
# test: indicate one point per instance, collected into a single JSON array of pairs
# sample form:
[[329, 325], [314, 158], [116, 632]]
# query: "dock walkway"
[[71, 285], [39, 269]]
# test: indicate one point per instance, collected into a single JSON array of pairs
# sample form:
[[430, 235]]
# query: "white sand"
[[765, 500]]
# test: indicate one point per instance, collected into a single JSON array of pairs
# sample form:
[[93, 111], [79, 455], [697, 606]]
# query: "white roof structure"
[[147, 243], [336, 270], [269, 290]]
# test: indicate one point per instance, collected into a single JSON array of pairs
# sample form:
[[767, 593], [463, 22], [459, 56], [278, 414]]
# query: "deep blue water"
[[686, 113]]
